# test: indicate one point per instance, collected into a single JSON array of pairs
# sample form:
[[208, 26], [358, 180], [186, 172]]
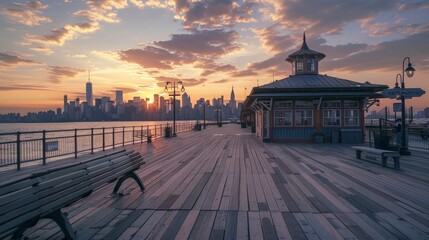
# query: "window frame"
[[304, 118], [283, 118], [346, 124], [335, 118]]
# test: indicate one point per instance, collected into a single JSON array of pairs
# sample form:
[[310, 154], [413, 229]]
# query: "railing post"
[[141, 134], [113, 137], [133, 135], [18, 150], [75, 143], [155, 131], [92, 140], [123, 136], [44, 146], [103, 140]]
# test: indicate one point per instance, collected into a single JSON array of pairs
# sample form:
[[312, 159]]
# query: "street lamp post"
[[204, 113], [172, 86], [219, 112], [403, 150]]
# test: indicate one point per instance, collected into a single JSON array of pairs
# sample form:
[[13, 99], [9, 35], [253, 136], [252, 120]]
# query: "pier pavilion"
[[308, 106]]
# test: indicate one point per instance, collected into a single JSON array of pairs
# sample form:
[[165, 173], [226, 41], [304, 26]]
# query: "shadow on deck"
[[223, 183]]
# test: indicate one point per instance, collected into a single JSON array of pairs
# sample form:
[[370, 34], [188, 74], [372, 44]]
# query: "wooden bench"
[[385, 154], [27, 199]]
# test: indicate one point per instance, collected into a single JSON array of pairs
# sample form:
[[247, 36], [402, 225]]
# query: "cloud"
[[42, 49], [203, 43], [386, 56], [61, 35], [97, 11], [325, 17], [125, 90], [378, 29], [412, 5], [274, 41], [221, 81], [187, 82], [29, 13], [198, 48], [7, 60], [244, 73], [213, 13], [153, 57], [56, 73], [210, 69], [18, 87]]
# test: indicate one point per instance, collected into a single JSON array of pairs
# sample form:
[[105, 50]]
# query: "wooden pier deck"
[[223, 183]]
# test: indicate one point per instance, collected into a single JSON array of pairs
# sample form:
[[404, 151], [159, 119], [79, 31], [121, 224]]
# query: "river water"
[[29, 127]]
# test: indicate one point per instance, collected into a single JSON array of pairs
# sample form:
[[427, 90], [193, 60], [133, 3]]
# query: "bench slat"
[[39, 194]]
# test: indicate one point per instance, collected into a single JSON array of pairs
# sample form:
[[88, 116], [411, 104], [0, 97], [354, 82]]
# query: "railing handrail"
[[29, 146]]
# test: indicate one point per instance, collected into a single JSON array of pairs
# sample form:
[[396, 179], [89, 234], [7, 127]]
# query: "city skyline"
[[48, 47]]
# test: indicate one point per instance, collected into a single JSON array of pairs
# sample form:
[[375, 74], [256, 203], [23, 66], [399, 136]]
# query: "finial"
[[304, 43], [89, 75]]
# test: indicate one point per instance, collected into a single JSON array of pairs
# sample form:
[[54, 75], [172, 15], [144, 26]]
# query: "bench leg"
[[132, 175], [56, 216], [358, 154], [31, 223], [384, 161], [62, 221], [396, 162]]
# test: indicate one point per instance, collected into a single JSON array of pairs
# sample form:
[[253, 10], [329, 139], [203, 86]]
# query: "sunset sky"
[[47, 47]]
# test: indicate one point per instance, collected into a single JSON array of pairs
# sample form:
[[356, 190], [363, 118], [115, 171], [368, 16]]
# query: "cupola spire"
[[304, 43]]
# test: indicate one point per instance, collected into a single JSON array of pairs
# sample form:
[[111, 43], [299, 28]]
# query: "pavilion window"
[[299, 66], [351, 113], [332, 113], [311, 65], [283, 118], [351, 117], [303, 113], [303, 117], [283, 114], [332, 117]]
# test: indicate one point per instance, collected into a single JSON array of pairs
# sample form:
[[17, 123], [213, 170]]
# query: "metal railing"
[[383, 136], [20, 148]]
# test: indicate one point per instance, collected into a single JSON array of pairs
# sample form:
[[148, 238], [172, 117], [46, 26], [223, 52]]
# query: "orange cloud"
[[29, 13], [61, 35], [7, 60], [213, 14], [42, 49], [187, 82], [57, 73]]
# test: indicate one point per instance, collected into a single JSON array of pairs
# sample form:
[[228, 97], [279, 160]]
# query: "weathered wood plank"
[[255, 190]]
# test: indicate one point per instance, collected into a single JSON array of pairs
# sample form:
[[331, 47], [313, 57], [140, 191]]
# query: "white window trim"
[[291, 118], [331, 109], [358, 117], [296, 115]]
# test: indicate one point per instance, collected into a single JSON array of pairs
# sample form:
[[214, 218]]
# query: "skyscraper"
[[119, 97], [232, 102], [89, 91], [66, 104]]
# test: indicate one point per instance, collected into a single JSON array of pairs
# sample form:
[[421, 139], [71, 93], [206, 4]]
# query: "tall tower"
[[119, 97], [232, 101], [66, 104], [89, 91]]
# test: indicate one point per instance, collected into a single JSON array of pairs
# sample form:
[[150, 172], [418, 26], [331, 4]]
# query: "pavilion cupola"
[[305, 60]]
